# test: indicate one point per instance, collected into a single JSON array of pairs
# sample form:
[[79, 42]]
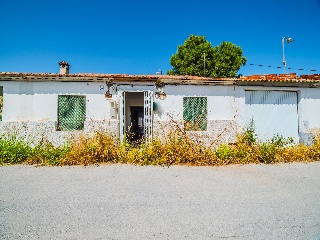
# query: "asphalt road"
[[133, 202]]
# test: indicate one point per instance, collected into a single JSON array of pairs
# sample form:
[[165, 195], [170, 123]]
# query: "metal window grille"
[[148, 109], [1, 102], [195, 113], [71, 112]]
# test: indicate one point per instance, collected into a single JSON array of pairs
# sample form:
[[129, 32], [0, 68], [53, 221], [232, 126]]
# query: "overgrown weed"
[[101, 148], [14, 150], [177, 148]]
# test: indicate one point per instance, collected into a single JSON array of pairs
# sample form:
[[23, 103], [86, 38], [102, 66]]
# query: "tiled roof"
[[81, 77], [280, 77]]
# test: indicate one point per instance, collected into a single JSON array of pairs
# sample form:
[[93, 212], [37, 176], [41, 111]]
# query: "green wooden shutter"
[[195, 113], [71, 112]]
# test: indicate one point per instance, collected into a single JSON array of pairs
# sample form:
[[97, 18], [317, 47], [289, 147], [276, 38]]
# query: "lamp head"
[[160, 95], [289, 40]]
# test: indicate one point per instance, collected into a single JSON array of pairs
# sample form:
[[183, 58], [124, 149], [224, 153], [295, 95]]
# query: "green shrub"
[[225, 153], [14, 151], [47, 154], [176, 148]]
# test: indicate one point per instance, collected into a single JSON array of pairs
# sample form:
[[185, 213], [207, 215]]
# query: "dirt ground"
[[149, 202]]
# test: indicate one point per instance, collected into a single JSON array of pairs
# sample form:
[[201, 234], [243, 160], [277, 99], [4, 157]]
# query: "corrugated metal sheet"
[[273, 112]]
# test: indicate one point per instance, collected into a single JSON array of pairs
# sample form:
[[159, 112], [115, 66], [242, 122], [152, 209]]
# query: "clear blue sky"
[[139, 37]]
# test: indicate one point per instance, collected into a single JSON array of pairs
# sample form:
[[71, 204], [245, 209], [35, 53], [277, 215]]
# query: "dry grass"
[[177, 148]]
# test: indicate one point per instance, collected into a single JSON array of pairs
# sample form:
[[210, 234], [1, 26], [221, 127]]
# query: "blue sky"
[[139, 37]]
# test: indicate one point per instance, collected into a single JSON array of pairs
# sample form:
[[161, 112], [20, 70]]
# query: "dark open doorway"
[[135, 115], [137, 124]]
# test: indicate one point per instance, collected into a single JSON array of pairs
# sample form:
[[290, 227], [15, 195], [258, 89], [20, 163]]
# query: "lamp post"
[[204, 64], [288, 40]]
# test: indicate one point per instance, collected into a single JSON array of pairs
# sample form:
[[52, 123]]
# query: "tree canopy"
[[197, 57]]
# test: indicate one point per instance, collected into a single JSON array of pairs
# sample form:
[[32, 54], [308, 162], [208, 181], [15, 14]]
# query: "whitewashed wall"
[[31, 108], [309, 113], [308, 109], [221, 101], [37, 102], [222, 107]]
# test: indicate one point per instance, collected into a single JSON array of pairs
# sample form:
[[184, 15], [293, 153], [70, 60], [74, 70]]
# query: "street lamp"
[[288, 40], [204, 64]]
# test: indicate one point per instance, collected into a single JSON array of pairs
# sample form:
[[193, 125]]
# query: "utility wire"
[[299, 69]]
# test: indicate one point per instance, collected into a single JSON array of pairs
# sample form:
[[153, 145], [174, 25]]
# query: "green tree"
[[197, 54]]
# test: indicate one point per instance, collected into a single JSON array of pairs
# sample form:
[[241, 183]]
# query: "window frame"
[[63, 126], [195, 126]]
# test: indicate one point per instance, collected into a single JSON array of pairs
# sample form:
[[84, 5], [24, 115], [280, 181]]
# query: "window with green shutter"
[[195, 113], [71, 112], [1, 102]]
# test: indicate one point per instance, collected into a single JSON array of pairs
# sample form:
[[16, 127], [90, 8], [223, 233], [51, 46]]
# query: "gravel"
[[150, 202]]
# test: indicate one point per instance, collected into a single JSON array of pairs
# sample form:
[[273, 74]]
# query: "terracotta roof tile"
[[292, 77]]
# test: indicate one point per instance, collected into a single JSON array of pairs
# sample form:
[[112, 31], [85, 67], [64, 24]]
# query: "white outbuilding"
[[58, 106]]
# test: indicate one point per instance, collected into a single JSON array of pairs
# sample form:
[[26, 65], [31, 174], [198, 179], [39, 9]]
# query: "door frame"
[[147, 116]]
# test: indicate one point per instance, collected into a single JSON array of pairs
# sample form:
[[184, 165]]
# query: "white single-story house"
[[56, 106]]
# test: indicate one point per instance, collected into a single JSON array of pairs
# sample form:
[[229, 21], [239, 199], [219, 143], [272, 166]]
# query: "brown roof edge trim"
[[9, 76]]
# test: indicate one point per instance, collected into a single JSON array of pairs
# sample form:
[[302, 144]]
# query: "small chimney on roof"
[[64, 67]]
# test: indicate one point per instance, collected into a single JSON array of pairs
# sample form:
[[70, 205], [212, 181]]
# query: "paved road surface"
[[132, 202]]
